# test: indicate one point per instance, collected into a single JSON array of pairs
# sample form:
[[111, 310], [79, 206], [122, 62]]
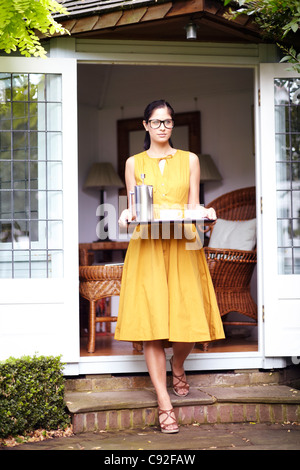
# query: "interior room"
[[109, 93]]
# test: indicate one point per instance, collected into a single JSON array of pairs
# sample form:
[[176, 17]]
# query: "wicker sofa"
[[232, 269]]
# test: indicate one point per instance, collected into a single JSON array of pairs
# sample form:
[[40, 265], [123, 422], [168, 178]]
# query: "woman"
[[166, 291]]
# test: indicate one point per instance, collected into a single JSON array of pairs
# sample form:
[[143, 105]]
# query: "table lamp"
[[209, 172], [102, 175]]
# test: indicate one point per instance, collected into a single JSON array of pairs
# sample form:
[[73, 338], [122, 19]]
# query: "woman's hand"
[[125, 217], [210, 213]]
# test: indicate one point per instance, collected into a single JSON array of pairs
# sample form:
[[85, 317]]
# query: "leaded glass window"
[[31, 190], [287, 128]]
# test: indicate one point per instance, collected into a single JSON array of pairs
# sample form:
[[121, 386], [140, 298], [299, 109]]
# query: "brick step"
[[94, 410], [108, 382]]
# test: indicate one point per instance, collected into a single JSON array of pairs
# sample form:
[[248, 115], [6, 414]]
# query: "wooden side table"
[[97, 282], [87, 250]]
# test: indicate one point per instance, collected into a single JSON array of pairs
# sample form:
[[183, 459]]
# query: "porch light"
[[209, 172], [191, 30]]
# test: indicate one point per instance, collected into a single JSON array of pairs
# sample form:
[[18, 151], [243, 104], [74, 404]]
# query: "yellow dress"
[[166, 291]]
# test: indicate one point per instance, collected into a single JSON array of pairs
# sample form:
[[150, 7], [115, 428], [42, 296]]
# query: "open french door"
[[280, 173], [38, 208]]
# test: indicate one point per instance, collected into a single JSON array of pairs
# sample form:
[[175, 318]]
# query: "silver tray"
[[173, 221]]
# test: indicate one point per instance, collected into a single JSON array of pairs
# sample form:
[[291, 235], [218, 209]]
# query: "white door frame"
[[41, 316], [183, 54], [281, 291]]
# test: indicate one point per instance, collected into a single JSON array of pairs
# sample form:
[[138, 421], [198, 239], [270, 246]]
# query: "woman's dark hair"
[[147, 114]]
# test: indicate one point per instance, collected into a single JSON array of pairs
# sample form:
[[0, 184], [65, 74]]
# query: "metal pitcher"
[[143, 201]]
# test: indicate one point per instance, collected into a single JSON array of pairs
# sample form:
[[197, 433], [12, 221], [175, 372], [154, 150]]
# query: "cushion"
[[234, 234]]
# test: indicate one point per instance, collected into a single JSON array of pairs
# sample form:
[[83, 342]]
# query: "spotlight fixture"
[[191, 30]]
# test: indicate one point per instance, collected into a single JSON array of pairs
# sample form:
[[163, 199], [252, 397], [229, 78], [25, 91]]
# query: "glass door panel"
[[287, 129], [31, 173]]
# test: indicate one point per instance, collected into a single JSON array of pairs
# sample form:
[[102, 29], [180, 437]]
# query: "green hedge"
[[31, 395]]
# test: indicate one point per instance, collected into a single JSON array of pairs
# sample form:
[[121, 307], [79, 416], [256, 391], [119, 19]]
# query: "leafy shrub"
[[31, 395]]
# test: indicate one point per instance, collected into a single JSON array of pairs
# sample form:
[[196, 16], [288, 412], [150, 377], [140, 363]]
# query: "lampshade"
[[103, 175], [209, 171]]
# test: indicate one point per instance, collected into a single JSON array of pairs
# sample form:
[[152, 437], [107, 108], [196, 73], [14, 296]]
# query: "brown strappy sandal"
[[180, 379], [166, 428]]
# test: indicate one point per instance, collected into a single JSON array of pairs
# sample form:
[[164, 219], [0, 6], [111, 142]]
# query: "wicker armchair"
[[231, 270]]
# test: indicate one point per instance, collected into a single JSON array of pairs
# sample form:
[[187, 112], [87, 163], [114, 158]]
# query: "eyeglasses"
[[156, 123]]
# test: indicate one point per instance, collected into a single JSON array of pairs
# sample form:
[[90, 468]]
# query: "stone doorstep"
[[119, 410], [85, 402]]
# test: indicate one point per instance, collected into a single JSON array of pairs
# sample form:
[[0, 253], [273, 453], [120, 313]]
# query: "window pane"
[[54, 175], [38, 118], [5, 234], [5, 115], [296, 233], [297, 260], [54, 204], [38, 231], [38, 175], [21, 264], [6, 205], [55, 235], [296, 175], [37, 143], [21, 235], [295, 146], [5, 176], [295, 91], [295, 119], [281, 119], [281, 91], [284, 232], [5, 87], [54, 146], [282, 147], [37, 87], [54, 116], [5, 145], [296, 205], [20, 87], [20, 199], [55, 264], [20, 145], [20, 116], [39, 264], [38, 204], [285, 261], [20, 175], [284, 204], [5, 264], [53, 87]]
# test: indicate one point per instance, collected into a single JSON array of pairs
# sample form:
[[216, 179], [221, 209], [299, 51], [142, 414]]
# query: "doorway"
[[224, 97]]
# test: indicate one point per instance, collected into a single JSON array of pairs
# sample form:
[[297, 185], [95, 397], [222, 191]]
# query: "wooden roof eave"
[[205, 12]]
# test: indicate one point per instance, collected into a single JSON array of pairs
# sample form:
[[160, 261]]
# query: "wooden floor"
[[107, 346]]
